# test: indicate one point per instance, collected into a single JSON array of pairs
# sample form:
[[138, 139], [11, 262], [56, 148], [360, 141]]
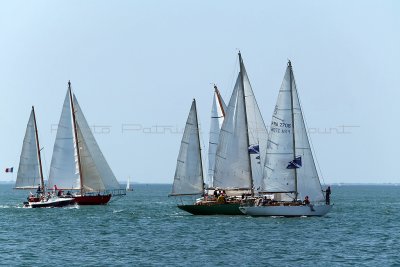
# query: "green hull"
[[217, 209]]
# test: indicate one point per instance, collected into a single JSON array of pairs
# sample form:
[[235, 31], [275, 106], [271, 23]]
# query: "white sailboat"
[[217, 118], [128, 184], [78, 163], [30, 172], [290, 171], [237, 155]]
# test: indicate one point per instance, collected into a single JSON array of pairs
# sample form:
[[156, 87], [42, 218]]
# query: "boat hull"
[[92, 200], [215, 209], [52, 203], [287, 211]]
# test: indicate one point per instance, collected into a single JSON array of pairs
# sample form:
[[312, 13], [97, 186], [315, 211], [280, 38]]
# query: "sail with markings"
[[290, 168], [188, 178]]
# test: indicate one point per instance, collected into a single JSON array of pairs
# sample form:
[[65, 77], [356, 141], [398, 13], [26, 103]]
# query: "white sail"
[[28, 175], [217, 118], [258, 134], [188, 178], [279, 168], [232, 164], [64, 169], [128, 184], [96, 173]]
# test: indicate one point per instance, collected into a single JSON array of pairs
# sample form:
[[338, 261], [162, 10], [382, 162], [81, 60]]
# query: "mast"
[[293, 135], [38, 151], [76, 136], [219, 100], [247, 126], [198, 134]]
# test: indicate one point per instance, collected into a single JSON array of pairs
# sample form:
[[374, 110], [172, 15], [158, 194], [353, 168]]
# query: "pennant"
[[294, 164], [254, 149]]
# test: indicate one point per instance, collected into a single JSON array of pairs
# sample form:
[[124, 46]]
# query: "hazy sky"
[[136, 65]]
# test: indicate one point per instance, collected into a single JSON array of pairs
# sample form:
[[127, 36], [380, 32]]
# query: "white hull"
[[287, 211], [52, 202]]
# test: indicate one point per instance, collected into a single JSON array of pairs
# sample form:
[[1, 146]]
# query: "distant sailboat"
[[30, 172], [290, 171], [242, 136], [128, 184], [78, 163]]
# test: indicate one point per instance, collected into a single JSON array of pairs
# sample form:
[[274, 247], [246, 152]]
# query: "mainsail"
[[217, 118], [188, 178], [290, 167], [242, 141], [29, 171], [86, 169]]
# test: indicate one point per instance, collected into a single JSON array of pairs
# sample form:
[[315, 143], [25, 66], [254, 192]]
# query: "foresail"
[[96, 173], [188, 174], [232, 166], [217, 118], [258, 134], [28, 175], [307, 175], [64, 170], [278, 177]]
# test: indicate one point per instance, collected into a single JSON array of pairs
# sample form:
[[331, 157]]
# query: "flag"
[[294, 164], [10, 169], [254, 149]]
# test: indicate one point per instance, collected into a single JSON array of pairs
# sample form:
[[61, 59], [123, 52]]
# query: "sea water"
[[145, 228]]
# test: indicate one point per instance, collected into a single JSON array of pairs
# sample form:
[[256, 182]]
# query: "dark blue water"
[[146, 229]]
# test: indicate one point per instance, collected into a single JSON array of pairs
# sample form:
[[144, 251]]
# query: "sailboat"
[[290, 171], [237, 160], [128, 184], [30, 171], [77, 164]]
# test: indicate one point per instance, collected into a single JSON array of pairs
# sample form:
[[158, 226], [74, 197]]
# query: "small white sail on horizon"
[[290, 168], [217, 118], [188, 179], [90, 171], [29, 169]]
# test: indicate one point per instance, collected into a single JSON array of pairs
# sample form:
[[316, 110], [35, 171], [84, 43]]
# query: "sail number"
[[283, 127]]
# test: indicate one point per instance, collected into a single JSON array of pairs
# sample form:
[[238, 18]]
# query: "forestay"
[[188, 178]]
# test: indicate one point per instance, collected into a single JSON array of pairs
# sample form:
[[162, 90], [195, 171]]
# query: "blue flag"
[[294, 164], [254, 149]]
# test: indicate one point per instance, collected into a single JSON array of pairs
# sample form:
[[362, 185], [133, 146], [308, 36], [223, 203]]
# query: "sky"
[[135, 67]]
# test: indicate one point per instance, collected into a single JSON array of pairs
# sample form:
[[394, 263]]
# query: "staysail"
[[29, 170], [290, 166], [188, 178], [217, 118], [86, 169], [242, 140]]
